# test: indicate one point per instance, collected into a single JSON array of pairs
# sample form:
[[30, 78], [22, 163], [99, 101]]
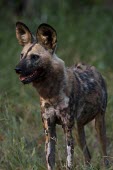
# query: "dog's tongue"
[[22, 78], [25, 77]]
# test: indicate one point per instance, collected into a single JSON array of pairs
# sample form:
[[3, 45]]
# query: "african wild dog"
[[71, 97]]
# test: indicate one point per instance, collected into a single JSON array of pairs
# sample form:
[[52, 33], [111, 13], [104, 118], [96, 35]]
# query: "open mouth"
[[29, 78]]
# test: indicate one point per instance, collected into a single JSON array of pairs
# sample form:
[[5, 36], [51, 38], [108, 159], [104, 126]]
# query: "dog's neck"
[[54, 83]]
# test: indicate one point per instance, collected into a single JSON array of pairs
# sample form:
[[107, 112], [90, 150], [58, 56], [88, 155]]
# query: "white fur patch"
[[65, 103], [49, 112], [48, 153], [69, 156]]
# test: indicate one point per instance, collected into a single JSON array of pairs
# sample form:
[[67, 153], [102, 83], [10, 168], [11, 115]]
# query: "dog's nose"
[[18, 70]]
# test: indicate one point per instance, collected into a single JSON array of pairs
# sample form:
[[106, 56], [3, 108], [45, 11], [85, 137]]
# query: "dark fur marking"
[[30, 48]]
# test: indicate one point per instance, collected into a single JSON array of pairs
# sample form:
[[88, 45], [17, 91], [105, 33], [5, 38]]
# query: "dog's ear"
[[23, 34], [47, 37]]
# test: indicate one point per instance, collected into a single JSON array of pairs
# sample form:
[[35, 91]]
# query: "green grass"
[[86, 35]]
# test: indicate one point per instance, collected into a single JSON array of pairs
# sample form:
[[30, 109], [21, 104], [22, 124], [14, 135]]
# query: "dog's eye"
[[34, 57]]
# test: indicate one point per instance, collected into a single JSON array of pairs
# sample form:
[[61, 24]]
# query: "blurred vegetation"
[[85, 33]]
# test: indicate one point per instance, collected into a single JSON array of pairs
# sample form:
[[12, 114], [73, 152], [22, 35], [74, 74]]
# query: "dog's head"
[[36, 56]]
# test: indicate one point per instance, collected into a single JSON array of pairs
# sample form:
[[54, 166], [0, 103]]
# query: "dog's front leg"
[[69, 148], [50, 135]]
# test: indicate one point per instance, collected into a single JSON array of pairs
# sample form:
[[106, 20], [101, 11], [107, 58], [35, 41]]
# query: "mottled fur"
[[71, 97]]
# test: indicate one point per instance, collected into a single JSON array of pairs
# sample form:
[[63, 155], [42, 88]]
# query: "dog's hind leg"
[[50, 135], [81, 140], [101, 133]]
